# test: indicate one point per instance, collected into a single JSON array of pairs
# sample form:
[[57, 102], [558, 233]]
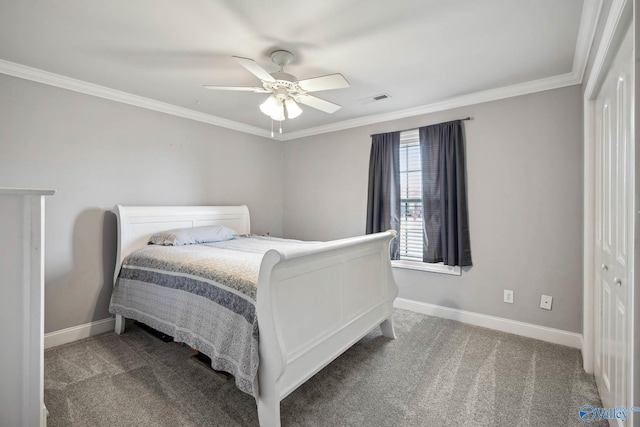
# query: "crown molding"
[[57, 80], [616, 14], [554, 82], [591, 11]]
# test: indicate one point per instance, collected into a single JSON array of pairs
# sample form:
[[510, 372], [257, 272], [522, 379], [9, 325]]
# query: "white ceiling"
[[421, 52]]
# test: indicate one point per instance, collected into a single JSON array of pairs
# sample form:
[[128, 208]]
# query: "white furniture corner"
[[312, 304], [22, 307]]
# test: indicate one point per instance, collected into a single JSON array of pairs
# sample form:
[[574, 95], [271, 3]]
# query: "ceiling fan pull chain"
[[272, 128], [280, 127]]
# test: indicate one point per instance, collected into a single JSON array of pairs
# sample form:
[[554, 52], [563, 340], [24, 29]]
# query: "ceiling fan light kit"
[[279, 102], [285, 90], [273, 108], [293, 109]]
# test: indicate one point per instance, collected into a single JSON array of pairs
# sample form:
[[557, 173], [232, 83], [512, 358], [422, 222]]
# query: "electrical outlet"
[[545, 302], [508, 296]]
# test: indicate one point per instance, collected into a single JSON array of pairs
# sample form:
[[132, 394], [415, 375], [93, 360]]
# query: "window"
[[411, 234], [430, 209], [411, 208]]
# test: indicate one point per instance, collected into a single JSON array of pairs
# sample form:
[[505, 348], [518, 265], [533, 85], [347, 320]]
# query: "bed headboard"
[[137, 223]]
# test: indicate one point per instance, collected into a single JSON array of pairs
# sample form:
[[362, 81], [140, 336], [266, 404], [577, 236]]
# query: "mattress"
[[203, 295]]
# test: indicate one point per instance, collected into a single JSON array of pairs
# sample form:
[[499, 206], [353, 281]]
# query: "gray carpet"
[[437, 373]]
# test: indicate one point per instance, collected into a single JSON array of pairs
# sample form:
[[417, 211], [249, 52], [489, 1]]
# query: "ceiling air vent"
[[374, 98]]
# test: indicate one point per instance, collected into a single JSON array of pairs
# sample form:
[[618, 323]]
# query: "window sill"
[[423, 266]]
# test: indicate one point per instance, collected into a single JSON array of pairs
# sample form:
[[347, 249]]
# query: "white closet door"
[[613, 217]]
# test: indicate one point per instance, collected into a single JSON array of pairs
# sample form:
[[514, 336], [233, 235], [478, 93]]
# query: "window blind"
[[411, 225]]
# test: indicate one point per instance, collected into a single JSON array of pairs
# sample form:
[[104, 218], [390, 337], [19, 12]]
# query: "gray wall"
[[98, 153], [524, 170], [524, 164]]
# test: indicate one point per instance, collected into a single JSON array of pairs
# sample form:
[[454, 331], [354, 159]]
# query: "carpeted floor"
[[437, 373]]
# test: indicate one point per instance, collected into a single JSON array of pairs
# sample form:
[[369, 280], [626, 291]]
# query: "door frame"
[[621, 14]]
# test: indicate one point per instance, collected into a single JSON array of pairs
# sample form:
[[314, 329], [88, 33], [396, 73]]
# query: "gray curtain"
[[446, 220], [383, 206]]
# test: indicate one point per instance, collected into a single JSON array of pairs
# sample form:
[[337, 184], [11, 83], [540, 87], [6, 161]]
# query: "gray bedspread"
[[203, 295]]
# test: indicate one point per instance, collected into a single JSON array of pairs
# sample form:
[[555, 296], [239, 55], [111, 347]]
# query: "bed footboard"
[[313, 305]]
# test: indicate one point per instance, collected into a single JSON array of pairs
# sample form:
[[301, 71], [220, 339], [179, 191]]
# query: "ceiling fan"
[[286, 91]]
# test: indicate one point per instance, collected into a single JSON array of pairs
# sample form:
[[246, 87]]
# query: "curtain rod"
[[466, 118]]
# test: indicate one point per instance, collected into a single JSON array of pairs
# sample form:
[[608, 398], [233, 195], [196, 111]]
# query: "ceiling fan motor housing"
[[285, 84], [284, 87]]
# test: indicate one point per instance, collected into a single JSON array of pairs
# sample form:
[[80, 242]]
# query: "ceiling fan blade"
[[318, 104], [242, 88], [253, 67], [332, 81]]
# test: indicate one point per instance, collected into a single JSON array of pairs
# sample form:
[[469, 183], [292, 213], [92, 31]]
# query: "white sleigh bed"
[[312, 304]]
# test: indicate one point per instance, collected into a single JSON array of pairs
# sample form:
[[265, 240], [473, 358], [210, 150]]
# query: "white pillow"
[[191, 236]]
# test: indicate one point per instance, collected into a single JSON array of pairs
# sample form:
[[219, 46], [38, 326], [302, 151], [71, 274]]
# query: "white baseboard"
[[543, 333], [552, 335], [75, 333]]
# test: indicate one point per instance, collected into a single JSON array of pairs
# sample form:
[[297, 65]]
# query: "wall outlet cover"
[[545, 302], [508, 296]]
